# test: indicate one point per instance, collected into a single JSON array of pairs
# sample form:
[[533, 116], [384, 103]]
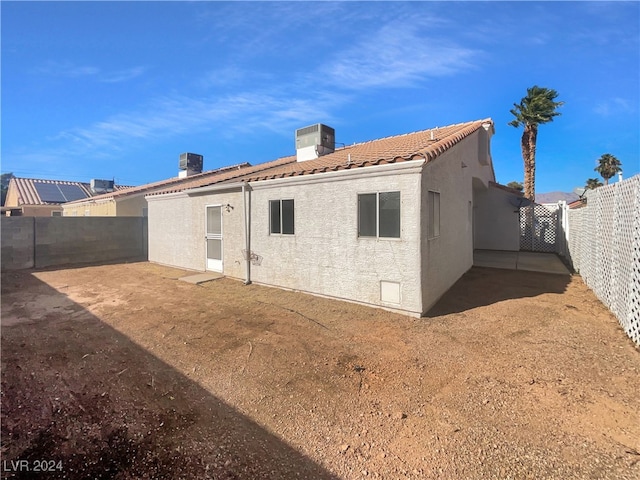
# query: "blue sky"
[[120, 89]]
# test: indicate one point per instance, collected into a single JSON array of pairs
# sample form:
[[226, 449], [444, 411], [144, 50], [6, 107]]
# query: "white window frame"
[[377, 235]]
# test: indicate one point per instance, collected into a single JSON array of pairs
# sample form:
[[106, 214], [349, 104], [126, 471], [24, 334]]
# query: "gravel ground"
[[123, 371]]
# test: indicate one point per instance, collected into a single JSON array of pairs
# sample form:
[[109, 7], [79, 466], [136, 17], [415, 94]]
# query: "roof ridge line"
[[488, 119]]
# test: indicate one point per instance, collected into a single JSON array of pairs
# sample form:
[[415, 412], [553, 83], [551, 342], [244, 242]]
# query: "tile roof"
[[176, 183], [194, 182], [28, 194], [425, 144]]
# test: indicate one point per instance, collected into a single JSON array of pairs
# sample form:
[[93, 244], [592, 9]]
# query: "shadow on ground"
[[482, 286], [116, 411]]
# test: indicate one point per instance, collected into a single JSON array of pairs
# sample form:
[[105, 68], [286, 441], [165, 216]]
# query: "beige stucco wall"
[[131, 206], [497, 223], [105, 208], [325, 256], [12, 196], [447, 257], [177, 230], [13, 201], [122, 207], [40, 210]]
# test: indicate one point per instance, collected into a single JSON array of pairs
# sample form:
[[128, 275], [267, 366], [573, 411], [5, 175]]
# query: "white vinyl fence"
[[604, 247]]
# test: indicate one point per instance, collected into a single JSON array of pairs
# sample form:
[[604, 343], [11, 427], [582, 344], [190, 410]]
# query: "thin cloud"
[[172, 116], [123, 75], [67, 70], [399, 57], [70, 70], [614, 106]]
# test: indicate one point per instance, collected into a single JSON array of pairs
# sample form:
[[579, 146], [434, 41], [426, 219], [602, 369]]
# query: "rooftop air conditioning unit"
[[190, 164], [101, 186], [314, 141]]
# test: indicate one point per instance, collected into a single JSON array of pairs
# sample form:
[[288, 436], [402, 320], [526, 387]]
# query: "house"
[[44, 198], [389, 222], [131, 202]]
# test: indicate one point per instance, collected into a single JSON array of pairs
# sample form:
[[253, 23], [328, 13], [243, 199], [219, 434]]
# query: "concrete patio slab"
[[199, 278], [528, 261], [495, 259], [541, 262]]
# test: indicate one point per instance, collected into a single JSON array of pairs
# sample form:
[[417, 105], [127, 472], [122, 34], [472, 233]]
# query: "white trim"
[[213, 188], [165, 196], [408, 167], [110, 198]]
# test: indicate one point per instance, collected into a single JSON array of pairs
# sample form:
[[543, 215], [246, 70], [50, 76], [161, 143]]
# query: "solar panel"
[[72, 192], [49, 192], [54, 193]]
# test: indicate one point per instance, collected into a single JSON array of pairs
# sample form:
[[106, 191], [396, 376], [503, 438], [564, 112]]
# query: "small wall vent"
[[314, 141]]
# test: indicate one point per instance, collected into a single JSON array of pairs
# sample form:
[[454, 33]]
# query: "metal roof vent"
[[190, 164], [101, 186], [314, 141]]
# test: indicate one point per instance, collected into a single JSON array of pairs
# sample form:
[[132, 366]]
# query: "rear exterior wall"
[[177, 230], [447, 256], [324, 256]]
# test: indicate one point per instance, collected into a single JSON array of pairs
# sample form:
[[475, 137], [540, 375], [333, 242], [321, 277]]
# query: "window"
[[379, 215], [56, 214], [434, 214], [281, 217]]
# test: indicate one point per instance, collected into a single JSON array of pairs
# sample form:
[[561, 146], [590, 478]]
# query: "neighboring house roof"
[[513, 191], [174, 182], [581, 202], [425, 144], [35, 191]]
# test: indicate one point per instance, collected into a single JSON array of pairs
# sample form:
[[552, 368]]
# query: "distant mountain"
[[555, 197]]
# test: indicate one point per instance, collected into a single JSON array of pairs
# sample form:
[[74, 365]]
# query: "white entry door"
[[214, 238]]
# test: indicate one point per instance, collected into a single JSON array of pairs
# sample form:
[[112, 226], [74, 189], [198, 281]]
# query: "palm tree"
[[608, 167], [536, 108], [592, 183]]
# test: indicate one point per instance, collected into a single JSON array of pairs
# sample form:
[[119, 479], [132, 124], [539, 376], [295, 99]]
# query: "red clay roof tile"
[[425, 144]]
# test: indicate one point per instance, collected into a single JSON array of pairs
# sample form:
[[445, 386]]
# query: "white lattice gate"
[[539, 228]]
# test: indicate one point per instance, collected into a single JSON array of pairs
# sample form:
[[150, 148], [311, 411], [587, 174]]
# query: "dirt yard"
[[125, 372]]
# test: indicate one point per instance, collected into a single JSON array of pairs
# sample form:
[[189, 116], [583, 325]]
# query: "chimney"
[[190, 164], [314, 141]]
